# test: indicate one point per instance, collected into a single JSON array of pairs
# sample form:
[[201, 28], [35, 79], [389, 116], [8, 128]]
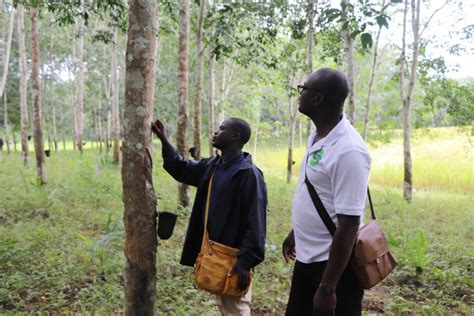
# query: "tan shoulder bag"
[[214, 263]]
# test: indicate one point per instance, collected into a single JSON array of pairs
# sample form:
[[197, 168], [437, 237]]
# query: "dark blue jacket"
[[237, 212]]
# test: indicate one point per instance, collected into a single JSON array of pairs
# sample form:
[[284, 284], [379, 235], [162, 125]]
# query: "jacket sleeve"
[[252, 249], [184, 170]]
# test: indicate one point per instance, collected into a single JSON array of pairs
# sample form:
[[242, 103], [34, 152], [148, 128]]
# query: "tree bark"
[[79, 117], [5, 121], [212, 93], [349, 51], [55, 130], [22, 84], [138, 194], [99, 125], [35, 82], [199, 79], [107, 137], [183, 194], [371, 84], [115, 101], [372, 77], [6, 53], [292, 122]]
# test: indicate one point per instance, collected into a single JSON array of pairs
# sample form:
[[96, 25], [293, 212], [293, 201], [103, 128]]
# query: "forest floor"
[[61, 246]]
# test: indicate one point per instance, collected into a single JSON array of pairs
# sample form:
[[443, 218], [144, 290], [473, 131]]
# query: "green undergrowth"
[[61, 246]]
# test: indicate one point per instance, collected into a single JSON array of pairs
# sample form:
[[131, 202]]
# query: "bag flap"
[[370, 244], [221, 248]]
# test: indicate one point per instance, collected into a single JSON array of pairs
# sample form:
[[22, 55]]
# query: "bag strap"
[[205, 234], [318, 204]]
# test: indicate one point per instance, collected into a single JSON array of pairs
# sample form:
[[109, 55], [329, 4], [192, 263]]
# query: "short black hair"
[[333, 84], [242, 127]]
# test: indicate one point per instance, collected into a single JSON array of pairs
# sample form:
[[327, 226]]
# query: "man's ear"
[[236, 136]]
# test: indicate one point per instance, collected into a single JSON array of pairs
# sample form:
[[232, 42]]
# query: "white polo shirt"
[[338, 167]]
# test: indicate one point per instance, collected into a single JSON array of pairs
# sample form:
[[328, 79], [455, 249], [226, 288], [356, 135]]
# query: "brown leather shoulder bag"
[[371, 259]]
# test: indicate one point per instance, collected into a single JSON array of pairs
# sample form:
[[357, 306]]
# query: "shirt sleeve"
[[184, 170], [350, 180], [252, 249]]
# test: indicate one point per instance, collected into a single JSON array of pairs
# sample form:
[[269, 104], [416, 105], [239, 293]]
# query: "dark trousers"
[[305, 282]]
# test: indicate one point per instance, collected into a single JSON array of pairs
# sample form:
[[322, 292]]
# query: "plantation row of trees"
[[98, 71], [219, 59]]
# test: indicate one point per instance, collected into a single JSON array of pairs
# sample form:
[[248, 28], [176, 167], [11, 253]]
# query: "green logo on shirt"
[[316, 157]]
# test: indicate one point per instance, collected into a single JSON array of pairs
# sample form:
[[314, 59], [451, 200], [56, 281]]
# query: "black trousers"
[[305, 282]]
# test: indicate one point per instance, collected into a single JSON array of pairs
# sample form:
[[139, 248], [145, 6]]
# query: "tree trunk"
[[79, 109], [6, 52], [290, 152], [349, 50], [55, 130], [183, 194], [138, 194], [99, 125], [35, 82], [107, 138], [49, 134], [199, 79], [257, 128], [212, 93], [115, 101], [292, 122], [310, 43], [22, 84], [5, 121], [371, 81], [14, 141]]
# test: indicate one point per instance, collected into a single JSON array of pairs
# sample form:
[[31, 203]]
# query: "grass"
[[61, 246]]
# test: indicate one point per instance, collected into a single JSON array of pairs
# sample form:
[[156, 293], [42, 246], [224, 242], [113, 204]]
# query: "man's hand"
[[242, 274], [159, 129], [288, 247], [324, 305]]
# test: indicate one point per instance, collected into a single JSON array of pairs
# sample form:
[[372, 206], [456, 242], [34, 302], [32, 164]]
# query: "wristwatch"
[[326, 289]]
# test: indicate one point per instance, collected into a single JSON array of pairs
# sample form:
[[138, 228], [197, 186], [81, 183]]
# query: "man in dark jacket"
[[238, 203]]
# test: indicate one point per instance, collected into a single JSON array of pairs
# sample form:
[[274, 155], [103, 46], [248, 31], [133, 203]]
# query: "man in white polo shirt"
[[337, 165]]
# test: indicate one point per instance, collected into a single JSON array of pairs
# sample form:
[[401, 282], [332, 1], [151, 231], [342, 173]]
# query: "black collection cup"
[[166, 222], [47, 152]]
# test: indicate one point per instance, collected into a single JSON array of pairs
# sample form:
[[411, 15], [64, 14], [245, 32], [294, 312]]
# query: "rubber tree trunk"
[[309, 48], [55, 130], [79, 113], [372, 77], [183, 191], [6, 51], [138, 194], [199, 79], [22, 84], [5, 122], [115, 101], [99, 125], [349, 51], [292, 122], [212, 94], [35, 83]]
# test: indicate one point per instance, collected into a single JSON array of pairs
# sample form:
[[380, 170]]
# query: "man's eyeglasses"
[[302, 87]]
